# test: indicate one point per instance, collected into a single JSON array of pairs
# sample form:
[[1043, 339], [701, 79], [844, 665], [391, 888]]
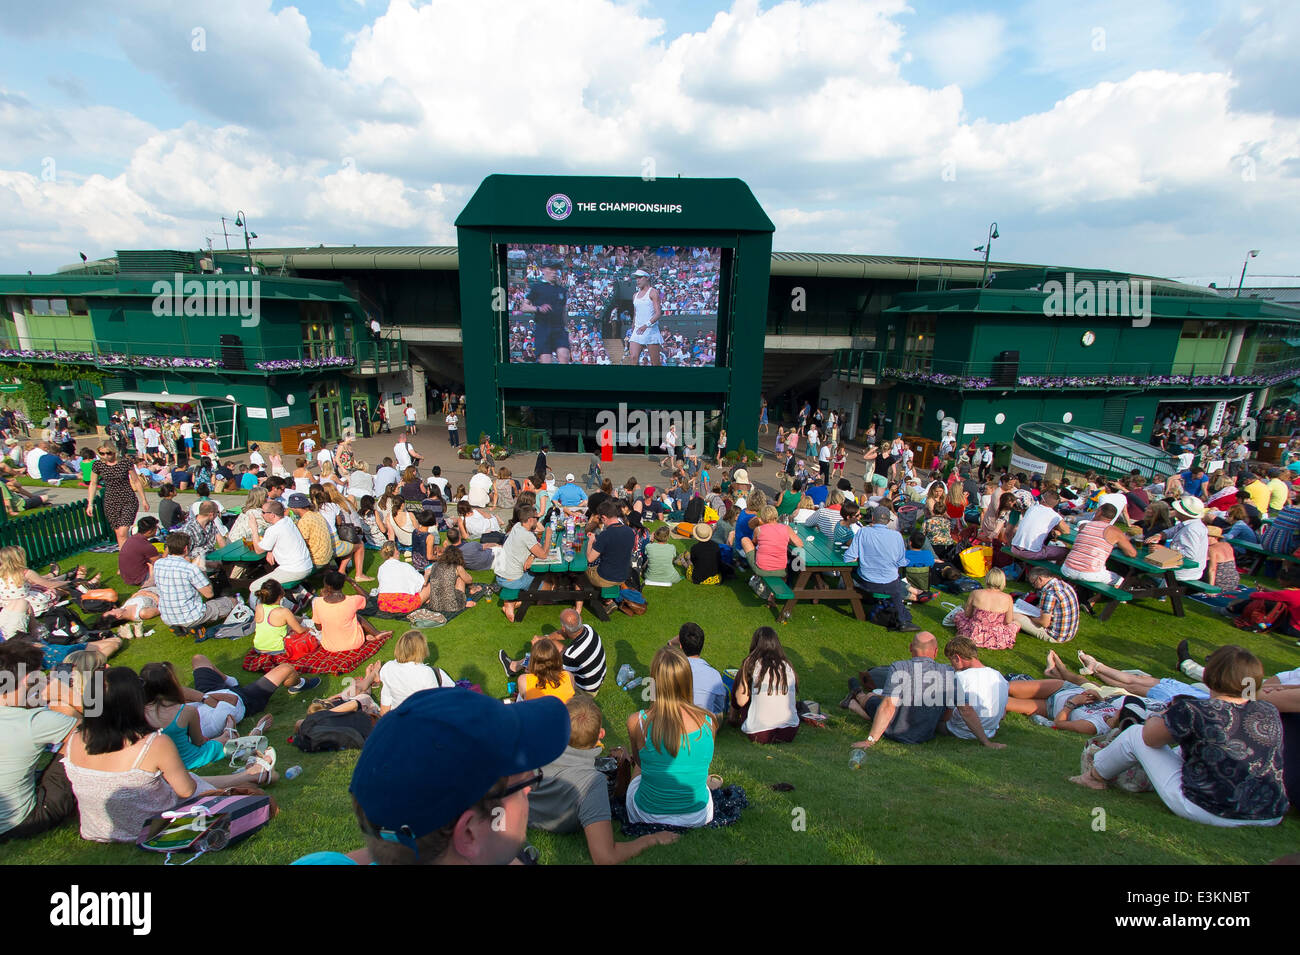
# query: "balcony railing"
[[363, 357], [857, 364]]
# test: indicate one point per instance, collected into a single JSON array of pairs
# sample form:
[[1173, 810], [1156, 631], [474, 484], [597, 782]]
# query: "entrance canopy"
[[215, 415], [1081, 449]]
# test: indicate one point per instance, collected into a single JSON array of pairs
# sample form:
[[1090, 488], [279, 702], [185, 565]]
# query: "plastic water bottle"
[[856, 758], [625, 674], [293, 772], [634, 684], [568, 527]]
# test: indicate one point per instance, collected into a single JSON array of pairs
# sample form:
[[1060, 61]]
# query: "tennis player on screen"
[[548, 303], [647, 310]]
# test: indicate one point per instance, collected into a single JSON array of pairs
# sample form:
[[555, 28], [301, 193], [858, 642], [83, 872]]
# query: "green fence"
[[525, 439], [52, 533]]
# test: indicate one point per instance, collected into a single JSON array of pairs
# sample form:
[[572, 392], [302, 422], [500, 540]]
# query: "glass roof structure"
[[1083, 449]]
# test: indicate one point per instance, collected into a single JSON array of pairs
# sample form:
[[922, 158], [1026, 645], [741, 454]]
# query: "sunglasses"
[[534, 780]]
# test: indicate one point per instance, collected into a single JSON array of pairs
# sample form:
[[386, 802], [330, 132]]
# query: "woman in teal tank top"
[[166, 710], [673, 743]]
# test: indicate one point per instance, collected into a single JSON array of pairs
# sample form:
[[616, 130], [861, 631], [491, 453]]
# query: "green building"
[[1093, 349], [245, 354]]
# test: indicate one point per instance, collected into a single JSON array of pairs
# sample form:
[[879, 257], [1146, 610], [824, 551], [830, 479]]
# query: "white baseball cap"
[[568, 477], [640, 272]]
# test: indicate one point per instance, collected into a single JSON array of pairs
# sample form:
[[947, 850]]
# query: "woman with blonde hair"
[[250, 516], [408, 673], [672, 744], [360, 481], [23, 592], [989, 618], [767, 546]]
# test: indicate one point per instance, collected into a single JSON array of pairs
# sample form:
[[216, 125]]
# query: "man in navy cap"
[[444, 779], [548, 304]]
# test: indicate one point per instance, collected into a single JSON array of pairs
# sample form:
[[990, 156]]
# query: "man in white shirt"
[[1188, 536], [410, 418], [1036, 528], [33, 461], [482, 483], [453, 430], [439, 481], [385, 477], [284, 547], [404, 455], [1114, 496], [255, 458], [981, 695], [324, 459], [824, 462]]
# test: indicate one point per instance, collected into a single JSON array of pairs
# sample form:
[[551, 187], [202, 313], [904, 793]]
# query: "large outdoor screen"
[[614, 304]]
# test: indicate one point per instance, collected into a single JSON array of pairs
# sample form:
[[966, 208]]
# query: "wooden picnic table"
[[570, 575], [1137, 566]]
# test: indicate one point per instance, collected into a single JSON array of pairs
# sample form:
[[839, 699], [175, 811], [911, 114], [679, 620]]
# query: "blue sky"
[[1156, 137]]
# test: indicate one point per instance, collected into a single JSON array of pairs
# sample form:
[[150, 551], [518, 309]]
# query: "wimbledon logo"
[[559, 206]]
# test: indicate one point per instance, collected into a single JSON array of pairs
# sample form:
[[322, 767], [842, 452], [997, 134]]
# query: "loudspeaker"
[[232, 353], [1006, 368]]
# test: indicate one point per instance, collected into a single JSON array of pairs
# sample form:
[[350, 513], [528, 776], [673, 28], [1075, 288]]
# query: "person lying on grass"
[[574, 794], [355, 697], [446, 780], [1228, 769]]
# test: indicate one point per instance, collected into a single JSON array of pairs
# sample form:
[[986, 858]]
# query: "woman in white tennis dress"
[[647, 311]]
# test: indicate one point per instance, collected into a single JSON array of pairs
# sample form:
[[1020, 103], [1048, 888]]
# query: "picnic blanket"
[[321, 661], [728, 802], [1221, 601]]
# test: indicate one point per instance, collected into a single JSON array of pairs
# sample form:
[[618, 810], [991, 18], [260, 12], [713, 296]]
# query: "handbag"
[[950, 618], [208, 823], [299, 645], [973, 561], [349, 532]]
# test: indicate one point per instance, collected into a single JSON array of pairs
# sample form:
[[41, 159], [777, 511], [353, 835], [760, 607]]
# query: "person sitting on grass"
[[517, 555], [989, 615], [703, 562], [574, 794], [1058, 608], [903, 701], [1228, 768], [273, 620], [709, 692], [452, 590], [671, 743], [584, 655], [448, 781], [408, 673], [23, 592], [336, 617], [765, 691], [351, 699], [185, 596], [546, 675], [165, 709], [123, 772], [660, 554], [981, 697], [30, 802]]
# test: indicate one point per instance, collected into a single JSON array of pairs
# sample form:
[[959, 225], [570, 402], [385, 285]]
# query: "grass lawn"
[[942, 802]]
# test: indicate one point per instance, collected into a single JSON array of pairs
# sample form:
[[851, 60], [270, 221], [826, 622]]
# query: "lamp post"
[[241, 222], [986, 248], [1246, 261]]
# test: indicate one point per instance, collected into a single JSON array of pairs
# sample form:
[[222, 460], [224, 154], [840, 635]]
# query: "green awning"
[[1083, 449]]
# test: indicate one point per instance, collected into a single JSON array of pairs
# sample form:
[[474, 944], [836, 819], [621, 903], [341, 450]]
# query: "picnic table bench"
[[570, 575], [1261, 557], [812, 564]]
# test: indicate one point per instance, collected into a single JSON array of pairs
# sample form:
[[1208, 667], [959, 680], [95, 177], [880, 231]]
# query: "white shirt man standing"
[[410, 418]]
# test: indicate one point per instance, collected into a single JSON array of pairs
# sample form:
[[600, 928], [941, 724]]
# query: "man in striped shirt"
[[584, 654]]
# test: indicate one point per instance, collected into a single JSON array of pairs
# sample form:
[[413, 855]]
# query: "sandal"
[[265, 764]]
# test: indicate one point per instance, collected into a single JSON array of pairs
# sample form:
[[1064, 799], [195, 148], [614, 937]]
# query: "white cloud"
[[964, 49]]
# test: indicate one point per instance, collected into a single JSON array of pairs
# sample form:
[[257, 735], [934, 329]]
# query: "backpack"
[[907, 517], [694, 511], [239, 623], [59, 626], [883, 615], [208, 823], [327, 731], [97, 600]]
